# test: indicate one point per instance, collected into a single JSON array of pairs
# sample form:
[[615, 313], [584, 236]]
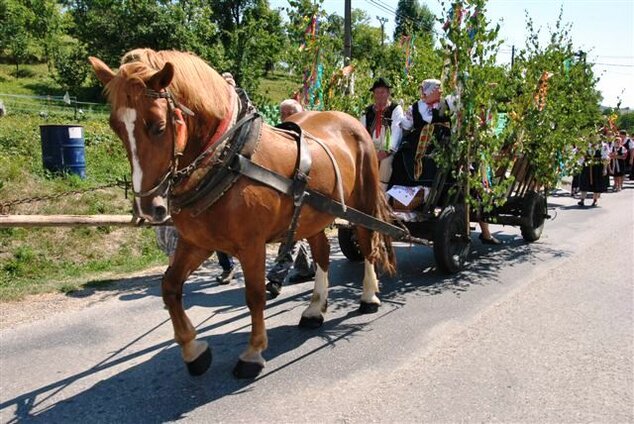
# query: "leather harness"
[[220, 166]]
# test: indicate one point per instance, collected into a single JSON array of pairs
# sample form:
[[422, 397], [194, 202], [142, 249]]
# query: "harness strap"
[[303, 165], [323, 203], [219, 179], [335, 166]]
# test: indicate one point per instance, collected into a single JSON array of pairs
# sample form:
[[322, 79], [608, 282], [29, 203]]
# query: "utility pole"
[[382, 21], [512, 55], [347, 32]]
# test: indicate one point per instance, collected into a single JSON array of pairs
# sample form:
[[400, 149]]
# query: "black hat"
[[381, 82]]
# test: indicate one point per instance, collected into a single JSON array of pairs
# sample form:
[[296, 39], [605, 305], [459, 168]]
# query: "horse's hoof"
[[201, 364], [247, 369], [368, 308], [311, 322]]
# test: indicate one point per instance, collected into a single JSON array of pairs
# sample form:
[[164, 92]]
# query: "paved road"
[[529, 333]]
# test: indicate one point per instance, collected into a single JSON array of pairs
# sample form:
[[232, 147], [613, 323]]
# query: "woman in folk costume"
[[382, 119], [617, 162], [428, 121], [594, 175]]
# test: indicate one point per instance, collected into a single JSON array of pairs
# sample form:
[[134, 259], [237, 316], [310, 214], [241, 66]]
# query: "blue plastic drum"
[[63, 149]]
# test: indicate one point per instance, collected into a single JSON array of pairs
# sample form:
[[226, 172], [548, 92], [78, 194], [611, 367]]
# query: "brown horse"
[[147, 94]]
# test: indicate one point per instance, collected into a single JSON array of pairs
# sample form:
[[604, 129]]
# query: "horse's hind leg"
[[313, 316], [253, 261], [369, 300], [196, 354]]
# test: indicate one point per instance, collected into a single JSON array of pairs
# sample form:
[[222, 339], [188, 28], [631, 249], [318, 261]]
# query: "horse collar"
[[228, 121]]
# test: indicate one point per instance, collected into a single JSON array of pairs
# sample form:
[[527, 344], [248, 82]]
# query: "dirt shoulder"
[[40, 306]]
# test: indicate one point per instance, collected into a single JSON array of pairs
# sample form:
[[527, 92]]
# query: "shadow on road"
[[159, 389]]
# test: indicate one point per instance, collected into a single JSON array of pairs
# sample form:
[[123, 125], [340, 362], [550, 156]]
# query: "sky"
[[602, 28]]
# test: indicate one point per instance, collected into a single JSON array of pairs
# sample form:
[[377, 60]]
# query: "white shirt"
[[388, 140], [426, 111]]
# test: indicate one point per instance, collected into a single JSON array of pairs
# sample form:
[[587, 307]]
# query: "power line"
[[616, 57], [387, 9], [615, 64]]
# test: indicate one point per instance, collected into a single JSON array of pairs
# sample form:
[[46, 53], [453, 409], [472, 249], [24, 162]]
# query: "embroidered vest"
[[387, 116]]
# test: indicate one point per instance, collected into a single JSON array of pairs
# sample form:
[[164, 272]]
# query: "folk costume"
[[428, 123], [617, 163], [594, 176], [383, 125]]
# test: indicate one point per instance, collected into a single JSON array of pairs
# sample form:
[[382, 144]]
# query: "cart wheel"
[[451, 243], [348, 243], [534, 211]]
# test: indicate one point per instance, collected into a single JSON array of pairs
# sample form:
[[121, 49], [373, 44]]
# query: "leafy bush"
[[71, 68]]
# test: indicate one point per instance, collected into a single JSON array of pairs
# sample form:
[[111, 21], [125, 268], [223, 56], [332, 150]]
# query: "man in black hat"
[[382, 119]]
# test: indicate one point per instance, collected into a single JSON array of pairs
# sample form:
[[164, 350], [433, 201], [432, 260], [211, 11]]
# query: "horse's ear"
[[104, 73], [162, 78]]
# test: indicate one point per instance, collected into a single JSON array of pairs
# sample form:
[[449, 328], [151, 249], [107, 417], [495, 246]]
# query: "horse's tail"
[[382, 249]]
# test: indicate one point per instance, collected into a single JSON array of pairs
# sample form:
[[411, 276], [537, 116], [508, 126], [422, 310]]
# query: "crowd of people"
[[403, 141], [613, 157]]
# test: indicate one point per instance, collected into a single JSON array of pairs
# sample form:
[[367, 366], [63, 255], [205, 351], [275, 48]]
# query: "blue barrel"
[[63, 149]]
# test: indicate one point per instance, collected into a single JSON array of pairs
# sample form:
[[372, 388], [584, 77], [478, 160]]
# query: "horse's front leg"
[[313, 316], [253, 261], [196, 354], [369, 300]]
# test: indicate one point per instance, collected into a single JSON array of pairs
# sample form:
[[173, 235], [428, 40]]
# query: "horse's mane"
[[194, 83]]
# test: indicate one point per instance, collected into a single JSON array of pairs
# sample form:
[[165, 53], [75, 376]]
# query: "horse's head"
[[143, 118]]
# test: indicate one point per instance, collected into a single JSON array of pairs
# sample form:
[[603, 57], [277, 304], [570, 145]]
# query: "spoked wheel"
[[348, 243], [451, 242], [534, 214]]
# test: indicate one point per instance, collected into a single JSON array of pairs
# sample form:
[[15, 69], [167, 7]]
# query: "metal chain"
[[5, 206]]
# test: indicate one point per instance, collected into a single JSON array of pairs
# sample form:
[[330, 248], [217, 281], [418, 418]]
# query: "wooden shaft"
[[30, 221]]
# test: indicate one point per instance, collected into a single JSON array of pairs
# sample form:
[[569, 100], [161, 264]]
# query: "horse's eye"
[[156, 128]]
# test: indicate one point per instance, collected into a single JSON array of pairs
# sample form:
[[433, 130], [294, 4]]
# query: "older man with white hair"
[[289, 107]]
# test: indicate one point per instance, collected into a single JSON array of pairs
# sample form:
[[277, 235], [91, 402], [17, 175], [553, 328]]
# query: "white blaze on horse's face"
[[155, 204], [127, 116]]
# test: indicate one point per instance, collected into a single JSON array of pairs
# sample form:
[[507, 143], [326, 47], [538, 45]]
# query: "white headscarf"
[[429, 85]]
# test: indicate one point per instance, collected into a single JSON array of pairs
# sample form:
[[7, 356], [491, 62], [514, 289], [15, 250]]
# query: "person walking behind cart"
[[297, 256], [618, 156], [382, 120], [594, 175], [629, 145]]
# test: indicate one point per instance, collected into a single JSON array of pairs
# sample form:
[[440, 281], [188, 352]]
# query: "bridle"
[[175, 110]]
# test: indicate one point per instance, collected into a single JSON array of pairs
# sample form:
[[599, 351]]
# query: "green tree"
[[625, 122], [17, 39], [413, 19], [71, 68], [366, 40], [553, 101], [252, 36], [470, 46], [48, 27], [109, 28]]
